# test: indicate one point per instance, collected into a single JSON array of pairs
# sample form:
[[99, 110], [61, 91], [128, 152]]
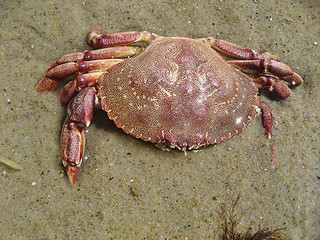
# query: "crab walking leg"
[[104, 53], [63, 71], [266, 75], [268, 122], [90, 72], [58, 73], [70, 64], [47, 85], [237, 52], [267, 67], [116, 39], [267, 118], [80, 112], [280, 89], [73, 87], [252, 62]]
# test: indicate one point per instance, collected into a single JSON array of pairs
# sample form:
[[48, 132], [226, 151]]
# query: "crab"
[[174, 91]]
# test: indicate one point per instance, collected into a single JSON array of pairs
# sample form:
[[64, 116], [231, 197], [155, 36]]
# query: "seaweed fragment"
[[231, 220], [10, 163]]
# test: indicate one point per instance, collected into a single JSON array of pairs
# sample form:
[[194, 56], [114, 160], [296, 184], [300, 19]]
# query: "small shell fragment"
[[10, 163]]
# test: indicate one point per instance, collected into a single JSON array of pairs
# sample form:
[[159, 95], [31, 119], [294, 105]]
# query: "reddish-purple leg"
[[265, 68], [268, 122], [117, 39], [84, 62], [267, 118], [79, 116], [266, 74]]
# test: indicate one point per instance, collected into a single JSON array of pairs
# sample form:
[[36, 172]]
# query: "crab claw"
[[72, 147], [72, 173], [73, 136]]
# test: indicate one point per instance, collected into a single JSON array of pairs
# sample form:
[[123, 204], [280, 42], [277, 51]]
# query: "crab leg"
[[267, 118], [267, 73], [269, 83], [74, 63], [104, 53], [115, 39], [81, 81], [63, 71], [265, 67], [268, 122], [72, 147], [268, 67], [80, 112], [252, 62], [237, 52], [92, 71]]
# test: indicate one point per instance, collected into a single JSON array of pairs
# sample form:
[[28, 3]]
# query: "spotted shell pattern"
[[180, 92]]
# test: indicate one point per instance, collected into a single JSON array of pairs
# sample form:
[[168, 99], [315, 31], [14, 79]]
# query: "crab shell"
[[178, 92]]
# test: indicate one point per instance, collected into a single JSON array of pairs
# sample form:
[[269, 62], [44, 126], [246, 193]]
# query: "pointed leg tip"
[[91, 37], [47, 85], [72, 173]]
